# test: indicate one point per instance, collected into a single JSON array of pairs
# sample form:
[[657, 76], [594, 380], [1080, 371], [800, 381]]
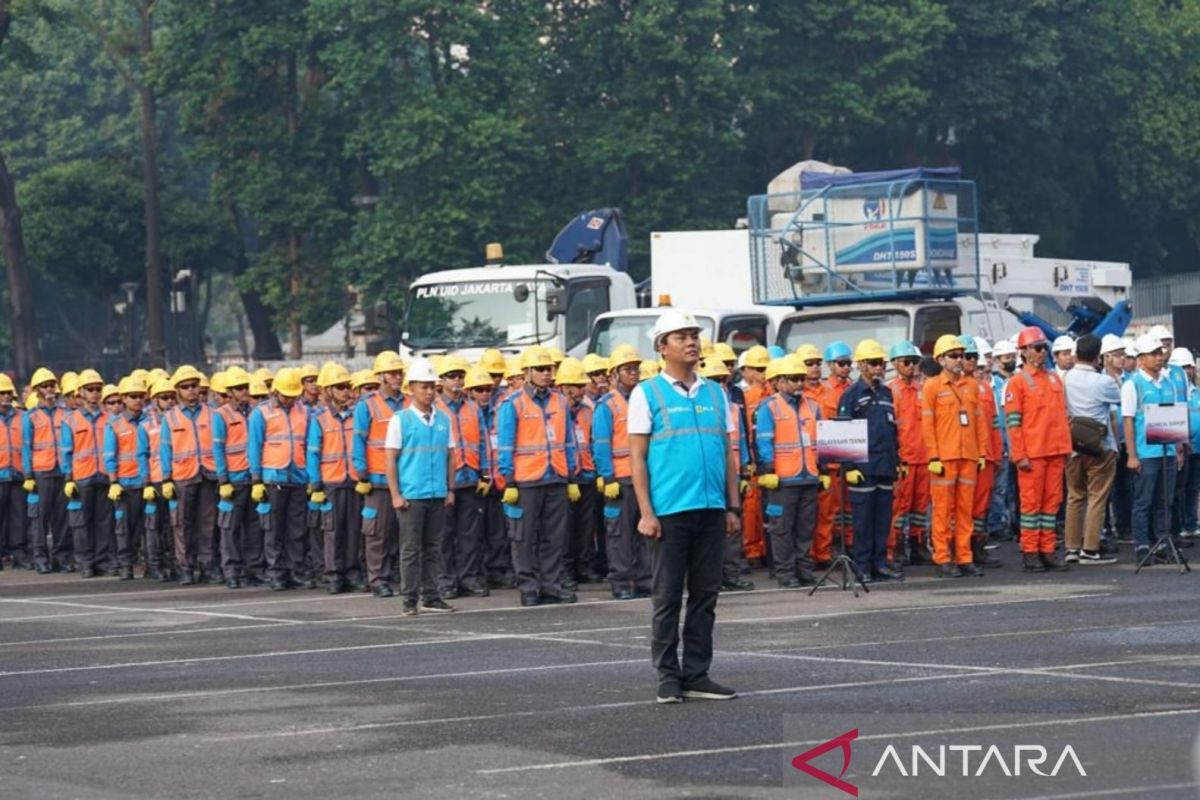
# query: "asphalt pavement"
[[118, 690]]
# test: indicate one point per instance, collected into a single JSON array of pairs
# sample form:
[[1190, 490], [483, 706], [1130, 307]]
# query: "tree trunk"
[[21, 320], [258, 317], [295, 281], [154, 289]]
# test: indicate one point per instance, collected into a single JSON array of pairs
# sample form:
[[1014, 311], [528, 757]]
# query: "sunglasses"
[[793, 378], [813, 362], [188, 387], [92, 388], [597, 374], [1040, 348], [955, 355], [481, 389], [873, 362], [971, 356], [113, 401], [908, 362], [542, 369], [340, 387], [453, 376], [135, 397], [843, 362]]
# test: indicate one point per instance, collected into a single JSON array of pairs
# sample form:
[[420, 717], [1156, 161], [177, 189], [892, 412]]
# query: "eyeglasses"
[[909, 361], [340, 387], [113, 401], [91, 388], [481, 389], [137, 396], [1040, 348], [955, 355], [455, 375], [971, 356], [873, 362], [793, 378], [843, 362], [542, 369], [813, 362], [189, 386]]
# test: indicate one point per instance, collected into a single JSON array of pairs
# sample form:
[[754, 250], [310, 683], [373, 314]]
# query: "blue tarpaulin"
[[819, 180]]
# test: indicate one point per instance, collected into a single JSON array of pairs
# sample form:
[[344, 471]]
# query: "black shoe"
[[215, 579], [623, 593], [1093, 558], [1183, 544], [1053, 563], [448, 594], [477, 590], [821, 566], [707, 689], [865, 578], [570, 584], [87, 572], [255, 580], [279, 585], [502, 582], [436, 604], [233, 583], [530, 599], [591, 576], [669, 692], [383, 590], [789, 583], [641, 592], [566, 598], [186, 578], [1032, 562], [888, 574], [164, 576], [336, 586], [971, 570], [736, 585], [309, 583], [409, 609], [948, 571], [44, 569], [126, 573]]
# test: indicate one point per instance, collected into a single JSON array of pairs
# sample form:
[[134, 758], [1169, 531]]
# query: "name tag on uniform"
[[550, 434], [963, 419], [805, 440]]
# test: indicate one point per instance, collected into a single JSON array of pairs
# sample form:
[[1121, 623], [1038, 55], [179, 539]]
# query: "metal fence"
[[1153, 298]]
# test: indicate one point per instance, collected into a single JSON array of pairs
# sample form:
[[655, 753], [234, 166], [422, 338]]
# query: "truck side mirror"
[[556, 301], [521, 292]]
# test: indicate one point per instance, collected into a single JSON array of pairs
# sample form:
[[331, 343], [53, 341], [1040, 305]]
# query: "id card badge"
[[963, 420], [549, 435]]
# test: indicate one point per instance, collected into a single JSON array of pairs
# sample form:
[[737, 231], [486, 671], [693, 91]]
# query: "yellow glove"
[[902, 470], [825, 481], [70, 489], [225, 491], [510, 496], [318, 496], [258, 492], [573, 492], [148, 494], [768, 480], [30, 486], [937, 467], [168, 490], [363, 487], [612, 490], [743, 486], [599, 483], [483, 487], [854, 477], [115, 491], [982, 463], [751, 468]]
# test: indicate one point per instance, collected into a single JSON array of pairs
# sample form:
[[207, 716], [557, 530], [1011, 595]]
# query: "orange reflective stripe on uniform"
[[47, 423], [283, 442], [126, 433], [336, 437], [236, 439], [795, 437], [619, 406], [86, 438], [541, 438], [191, 442]]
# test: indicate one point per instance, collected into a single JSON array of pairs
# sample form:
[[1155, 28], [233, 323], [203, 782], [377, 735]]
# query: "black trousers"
[[688, 555], [241, 535], [52, 543], [539, 538], [460, 559], [193, 520], [497, 550], [791, 516], [284, 530], [421, 528], [628, 551], [871, 511], [582, 526], [12, 522], [342, 527], [91, 527], [128, 525]]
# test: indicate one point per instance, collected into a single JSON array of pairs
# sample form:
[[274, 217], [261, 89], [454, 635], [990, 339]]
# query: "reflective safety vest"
[[126, 433], [467, 432], [191, 443], [735, 441], [381, 413], [47, 424], [236, 438], [283, 442], [337, 433], [153, 425], [87, 441], [541, 438], [10, 442], [424, 450], [619, 407], [1150, 395], [583, 439], [686, 457], [795, 437]]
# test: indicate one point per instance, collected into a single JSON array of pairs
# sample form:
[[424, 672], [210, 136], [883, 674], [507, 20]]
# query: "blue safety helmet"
[[775, 351], [969, 345], [903, 349], [837, 350]]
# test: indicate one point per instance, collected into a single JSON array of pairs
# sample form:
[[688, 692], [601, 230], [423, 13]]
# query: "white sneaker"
[[1090, 558], [1072, 557]]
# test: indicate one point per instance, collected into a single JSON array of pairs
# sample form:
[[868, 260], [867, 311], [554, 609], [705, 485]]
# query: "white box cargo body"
[[702, 269]]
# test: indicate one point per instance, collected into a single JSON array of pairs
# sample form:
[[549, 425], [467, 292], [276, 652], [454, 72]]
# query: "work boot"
[[971, 570], [917, 554], [980, 554], [1053, 562], [1032, 562], [949, 571]]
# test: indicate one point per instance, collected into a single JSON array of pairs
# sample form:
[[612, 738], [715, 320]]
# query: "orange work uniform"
[[754, 532], [955, 435], [1035, 408], [910, 495], [831, 510], [993, 454]]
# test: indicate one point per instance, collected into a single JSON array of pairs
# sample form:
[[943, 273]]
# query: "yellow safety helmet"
[[477, 377], [492, 360], [287, 382], [809, 352], [6, 384], [757, 357], [945, 343], [204, 382], [109, 390], [570, 373], [263, 374], [132, 384], [236, 376], [218, 383], [556, 355], [868, 349], [258, 388], [31, 401], [452, 363], [89, 377], [69, 383], [537, 357], [648, 369], [724, 352], [363, 377], [333, 374], [142, 375], [161, 386], [41, 375], [388, 361], [775, 368], [714, 368], [185, 373], [623, 354], [159, 374], [594, 363], [513, 368], [706, 347], [309, 371]]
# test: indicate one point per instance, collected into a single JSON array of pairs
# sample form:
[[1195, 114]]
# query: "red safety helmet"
[[1030, 336]]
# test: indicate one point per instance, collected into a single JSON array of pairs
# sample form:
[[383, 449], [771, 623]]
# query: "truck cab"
[[920, 323], [740, 328]]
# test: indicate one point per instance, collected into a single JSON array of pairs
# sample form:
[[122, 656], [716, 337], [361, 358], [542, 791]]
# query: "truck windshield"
[[475, 314], [820, 329], [635, 330]]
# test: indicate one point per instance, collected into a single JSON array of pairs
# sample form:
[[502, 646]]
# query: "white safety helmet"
[[1063, 344], [1130, 346], [1181, 357], [422, 371], [670, 322], [1111, 343], [983, 345], [1148, 343], [1004, 347], [1161, 332]]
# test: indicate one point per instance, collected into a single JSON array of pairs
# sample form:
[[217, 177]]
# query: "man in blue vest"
[[420, 473], [1154, 466], [686, 481]]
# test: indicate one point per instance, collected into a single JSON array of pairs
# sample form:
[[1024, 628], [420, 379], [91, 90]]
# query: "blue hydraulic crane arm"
[[1095, 318], [593, 237]]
